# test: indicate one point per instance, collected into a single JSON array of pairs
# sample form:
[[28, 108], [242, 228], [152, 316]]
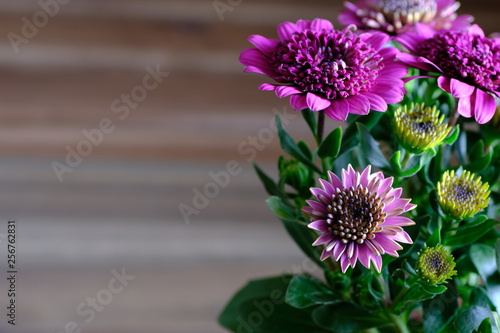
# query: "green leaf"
[[470, 318], [469, 233], [280, 209], [485, 326], [440, 311], [305, 149], [303, 237], [260, 307], [453, 136], [288, 144], [330, 147], [370, 148], [496, 319], [478, 161], [395, 161], [306, 291], [435, 238], [309, 117], [350, 139], [270, 186], [346, 317], [483, 258]]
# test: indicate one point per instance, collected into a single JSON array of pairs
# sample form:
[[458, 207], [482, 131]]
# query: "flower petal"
[[298, 102], [317, 206], [363, 179], [390, 247], [364, 255], [338, 110], [284, 91], [324, 238], [400, 221], [320, 25], [455, 87], [267, 87], [476, 30], [266, 45], [316, 103], [465, 106], [339, 250], [377, 262], [320, 225], [286, 30], [334, 180], [377, 103], [483, 105], [377, 40], [359, 104]]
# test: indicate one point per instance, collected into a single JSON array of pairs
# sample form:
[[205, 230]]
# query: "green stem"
[[399, 324], [454, 116], [321, 127]]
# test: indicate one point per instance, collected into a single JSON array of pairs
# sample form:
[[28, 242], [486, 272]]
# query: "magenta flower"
[[467, 63], [396, 16], [339, 72], [358, 217]]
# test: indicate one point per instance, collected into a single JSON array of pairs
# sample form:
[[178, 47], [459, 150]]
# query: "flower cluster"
[[412, 194]]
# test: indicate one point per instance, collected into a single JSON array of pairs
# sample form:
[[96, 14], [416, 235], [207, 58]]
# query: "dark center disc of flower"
[[423, 127], [462, 192], [332, 64], [355, 214], [407, 11], [436, 264], [471, 58]]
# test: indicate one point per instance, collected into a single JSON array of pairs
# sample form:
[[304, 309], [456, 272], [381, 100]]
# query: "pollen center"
[[436, 263], [463, 192], [355, 214]]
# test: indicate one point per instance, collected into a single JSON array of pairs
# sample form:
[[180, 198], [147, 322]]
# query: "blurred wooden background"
[[120, 206]]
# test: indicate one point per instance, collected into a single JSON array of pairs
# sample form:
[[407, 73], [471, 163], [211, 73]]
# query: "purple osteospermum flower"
[[339, 72], [396, 16], [358, 217], [468, 64]]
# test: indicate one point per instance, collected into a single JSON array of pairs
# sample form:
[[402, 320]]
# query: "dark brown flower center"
[[355, 214]]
